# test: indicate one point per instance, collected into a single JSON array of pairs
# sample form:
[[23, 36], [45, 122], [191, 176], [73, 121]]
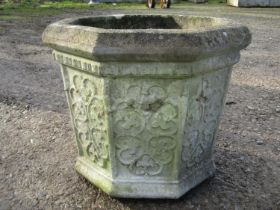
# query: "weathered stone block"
[[145, 94], [254, 3]]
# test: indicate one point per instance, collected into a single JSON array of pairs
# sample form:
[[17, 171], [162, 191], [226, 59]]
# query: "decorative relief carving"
[[88, 113], [145, 119], [205, 106], [145, 125], [164, 121], [74, 62]]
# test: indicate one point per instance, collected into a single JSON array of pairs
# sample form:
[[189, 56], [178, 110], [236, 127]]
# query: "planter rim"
[[201, 37]]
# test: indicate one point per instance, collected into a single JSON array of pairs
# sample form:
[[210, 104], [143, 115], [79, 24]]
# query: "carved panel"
[[206, 96], [87, 105], [145, 117]]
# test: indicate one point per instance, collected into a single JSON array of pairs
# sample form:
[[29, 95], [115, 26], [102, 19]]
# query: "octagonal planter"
[[145, 94]]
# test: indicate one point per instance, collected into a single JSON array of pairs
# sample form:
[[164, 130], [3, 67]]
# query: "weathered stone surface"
[[145, 95], [254, 3]]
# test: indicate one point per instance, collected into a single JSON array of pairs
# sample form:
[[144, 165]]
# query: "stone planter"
[[145, 94]]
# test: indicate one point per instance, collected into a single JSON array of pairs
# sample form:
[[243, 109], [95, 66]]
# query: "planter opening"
[[146, 22]]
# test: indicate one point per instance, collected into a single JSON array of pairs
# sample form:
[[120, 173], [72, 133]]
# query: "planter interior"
[[145, 95], [146, 22]]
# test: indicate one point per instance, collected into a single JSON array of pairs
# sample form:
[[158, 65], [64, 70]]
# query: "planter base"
[[140, 188]]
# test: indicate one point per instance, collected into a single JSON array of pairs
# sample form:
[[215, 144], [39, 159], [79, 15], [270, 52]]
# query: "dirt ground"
[[37, 142]]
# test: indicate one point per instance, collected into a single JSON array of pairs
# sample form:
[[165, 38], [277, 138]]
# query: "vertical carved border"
[[207, 96], [87, 102]]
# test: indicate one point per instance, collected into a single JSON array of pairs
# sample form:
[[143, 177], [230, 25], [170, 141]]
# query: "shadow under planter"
[[145, 94]]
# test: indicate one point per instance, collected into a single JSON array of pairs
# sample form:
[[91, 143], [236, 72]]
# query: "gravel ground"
[[37, 142]]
